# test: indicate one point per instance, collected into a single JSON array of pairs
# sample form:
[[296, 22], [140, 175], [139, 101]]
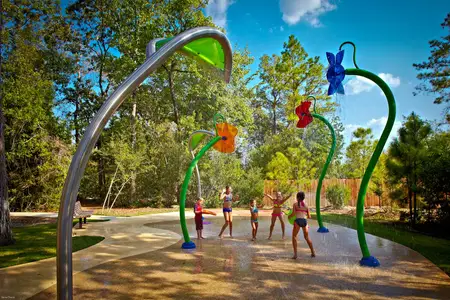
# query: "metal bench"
[[81, 214]]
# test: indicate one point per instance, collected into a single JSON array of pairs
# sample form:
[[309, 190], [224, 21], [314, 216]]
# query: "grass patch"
[[39, 242], [437, 250]]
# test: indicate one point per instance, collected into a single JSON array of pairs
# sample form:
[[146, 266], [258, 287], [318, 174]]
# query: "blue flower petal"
[[330, 74], [340, 89], [339, 57], [331, 90], [339, 73], [331, 59], [335, 73]]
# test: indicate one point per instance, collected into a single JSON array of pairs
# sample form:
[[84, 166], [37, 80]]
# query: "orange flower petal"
[[228, 133]]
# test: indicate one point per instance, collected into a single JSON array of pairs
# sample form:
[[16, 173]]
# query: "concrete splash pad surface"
[[240, 269]]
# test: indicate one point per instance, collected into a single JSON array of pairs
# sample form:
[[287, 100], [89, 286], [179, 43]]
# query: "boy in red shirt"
[[198, 209]]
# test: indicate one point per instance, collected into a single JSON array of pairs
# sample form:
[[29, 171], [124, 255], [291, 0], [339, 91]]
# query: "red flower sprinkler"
[[305, 117]]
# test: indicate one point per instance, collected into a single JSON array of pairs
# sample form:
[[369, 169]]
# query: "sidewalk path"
[[123, 237]]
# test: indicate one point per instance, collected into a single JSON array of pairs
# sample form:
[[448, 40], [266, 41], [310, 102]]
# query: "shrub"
[[337, 195], [212, 202]]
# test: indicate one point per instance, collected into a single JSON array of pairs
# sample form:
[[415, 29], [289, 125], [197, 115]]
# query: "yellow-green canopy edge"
[[205, 49]]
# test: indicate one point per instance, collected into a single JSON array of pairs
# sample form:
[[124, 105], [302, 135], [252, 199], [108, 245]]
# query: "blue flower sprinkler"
[[335, 73]]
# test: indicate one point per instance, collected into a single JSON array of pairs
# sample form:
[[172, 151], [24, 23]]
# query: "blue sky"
[[390, 36]]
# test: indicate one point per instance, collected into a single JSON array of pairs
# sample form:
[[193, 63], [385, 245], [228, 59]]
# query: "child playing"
[[276, 212], [254, 218], [301, 211], [198, 217]]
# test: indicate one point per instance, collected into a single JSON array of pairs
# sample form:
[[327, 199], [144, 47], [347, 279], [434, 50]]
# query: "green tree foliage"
[[270, 91], [435, 71], [378, 181], [286, 80], [302, 76], [435, 177], [35, 139], [91, 24], [359, 152], [406, 157]]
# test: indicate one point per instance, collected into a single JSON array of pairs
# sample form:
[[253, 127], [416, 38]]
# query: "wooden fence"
[[311, 187]]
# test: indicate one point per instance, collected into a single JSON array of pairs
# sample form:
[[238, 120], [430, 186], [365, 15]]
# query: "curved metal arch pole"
[[199, 186], [151, 47], [367, 259], [84, 150], [188, 244], [324, 170]]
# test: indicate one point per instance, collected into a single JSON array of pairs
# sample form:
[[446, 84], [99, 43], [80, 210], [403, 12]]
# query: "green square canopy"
[[205, 49], [196, 139]]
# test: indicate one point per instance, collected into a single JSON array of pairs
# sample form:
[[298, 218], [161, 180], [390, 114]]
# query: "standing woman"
[[301, 211], [227, 199], [276, 212]]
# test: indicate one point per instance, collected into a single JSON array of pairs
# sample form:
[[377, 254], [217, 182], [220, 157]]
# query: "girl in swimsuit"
[[301, 211], [276, 212], [254, 218], [227, 198]]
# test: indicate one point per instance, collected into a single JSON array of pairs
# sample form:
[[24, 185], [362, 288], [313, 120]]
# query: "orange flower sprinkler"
[[223, 141]]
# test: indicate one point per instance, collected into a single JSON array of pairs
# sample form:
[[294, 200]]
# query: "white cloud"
[[377, 126], [359, 84], [281, 28], [270, 30], [377, 122], [390, 79], [217, 9], [295, 11]]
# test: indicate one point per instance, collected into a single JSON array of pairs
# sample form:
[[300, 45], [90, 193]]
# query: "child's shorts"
[[301, 222], [198, 222]]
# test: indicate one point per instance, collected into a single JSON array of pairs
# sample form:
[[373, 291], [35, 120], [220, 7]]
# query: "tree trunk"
[[118, 194], [415, 209], [274, 120], [429, 211], [76, 115], [172, 93], [6, 236], [410, 205], [133, 148], [108, 194]]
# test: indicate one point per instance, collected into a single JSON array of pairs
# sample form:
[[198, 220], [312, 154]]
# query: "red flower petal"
[[303, 114]]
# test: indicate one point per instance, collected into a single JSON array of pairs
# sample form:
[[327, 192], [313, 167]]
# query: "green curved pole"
[[374, 159], [188, 244], [324, 170]]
